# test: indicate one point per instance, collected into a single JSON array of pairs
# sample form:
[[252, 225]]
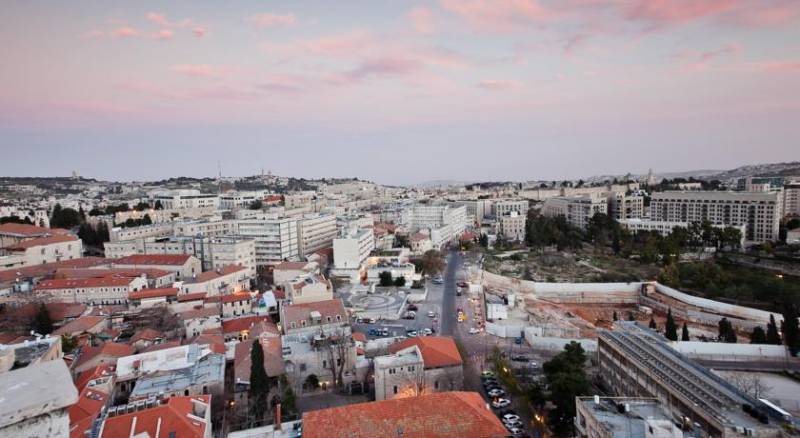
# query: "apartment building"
[[213, 252], [791, 199], [506, 206], [351, 250], [477, 209], [308, 289], [12, 234], [578, 210], [222, 281], [622, 206], [610, 417], [638, 362], [760, 213], [418, 366], [183, 265], [154, 231], [512, 226], [42, 250], [315, 231], [665, 228], [184, 198], [233, 200], [104, 290], [276, 239]]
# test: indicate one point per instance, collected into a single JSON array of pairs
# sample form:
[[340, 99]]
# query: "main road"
[[454, 261]]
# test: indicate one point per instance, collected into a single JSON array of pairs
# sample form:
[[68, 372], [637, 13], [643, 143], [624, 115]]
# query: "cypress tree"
[[615, 316], [758, 336], [653, 323], [42, 323], [773, 336], [671, 329], [791, 331], [685, 332], [259, 382]]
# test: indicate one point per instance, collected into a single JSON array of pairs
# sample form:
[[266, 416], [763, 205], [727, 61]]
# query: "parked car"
[[409, 315], [374, 332], [510, 417], [515, 431], [515, 424], [426, 332], [431, 314], [385, 332], [412, 307], [438, 280], [473, 330], [487, 374], [496, 392], [519, 358], [501, 403], [411, 333]]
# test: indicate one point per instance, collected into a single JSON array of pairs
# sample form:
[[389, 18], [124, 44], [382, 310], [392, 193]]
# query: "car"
[[411, 333], [496, 392], [487, 374], [431, 314], [412, 307], [515, 431], [515, 423], [510, 417], [426, 332], [409, 315], [374, 332], [533, 364], [371, 320], [519, 358], [492, 382], [462, 284], [501, 403], [473, 330], [385, 331], [518, 340], [438, 280]]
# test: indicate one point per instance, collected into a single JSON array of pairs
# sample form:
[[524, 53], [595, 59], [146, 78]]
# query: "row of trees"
[[386, 280], [66, 217], [14, 219], [93, 235]]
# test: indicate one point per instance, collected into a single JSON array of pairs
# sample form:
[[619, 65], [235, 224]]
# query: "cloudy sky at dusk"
[[396, 91]]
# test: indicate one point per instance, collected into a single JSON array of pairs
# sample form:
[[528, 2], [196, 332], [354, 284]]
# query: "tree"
[[614, 317], [68, 343], [432, 262], [400, 281], [159, 205], [312, 381], [142, 206], [64, 217], [338, 345], [630, 316], [726, 331], [791, 331], [773, 337], [484, 240], [566, 379], [653, 323], [671, 329], [685, 332], [258, 391], [759, 336], [385, 278], [42, 323], [256, 205]]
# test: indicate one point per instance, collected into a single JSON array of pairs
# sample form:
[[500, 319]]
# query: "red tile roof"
[[153, 293], [215, 342], [154, 259], [244, 323], [30, 230], [162, 346], [174, 416], [360, 337], [273, 358], [83, 379], [85, 410], [301, 312], [107, 272], [77, 283], [232, 298], [47, 269], [437, 351], [191, 297], [445, 414], [80, 325], [147, 334], [291, 266], [58, 311], [203, 312], [42, 241], [111, 349]]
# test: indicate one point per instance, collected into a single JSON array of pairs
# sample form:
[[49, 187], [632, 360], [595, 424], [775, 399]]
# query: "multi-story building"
[[665, 228], [506, 206], [213, 252], [577, 210], [42, 250], [512, 226], [759, 183], [623, 206], [183, 265], [276, 238], [315, 232], [477, 209], [105, 290], [637, 362], [183, 198], [308, 289], [234, 200], [418, 366], [760, 213], [352, 248], [432, 217], [791, 199], [611, 417]]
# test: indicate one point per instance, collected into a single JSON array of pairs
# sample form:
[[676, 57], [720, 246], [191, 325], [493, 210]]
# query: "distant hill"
[[770, 169]]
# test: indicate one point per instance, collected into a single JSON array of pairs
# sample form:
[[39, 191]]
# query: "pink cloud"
[[780, 66], [125, 32], [422, 19], [161, 20], [199, 31], [499, 84], [164, 34], [698, 61], [201, 70], [497, 16], [670, 12], [764, 14], [271, 20], [215, 93]]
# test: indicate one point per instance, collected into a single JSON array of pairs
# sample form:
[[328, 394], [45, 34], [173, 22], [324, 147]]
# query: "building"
[[623, 206], [315, 231], [637, 362], [273, 365], [183, 265], [351, 250], [234, 200], [506, 206], [308, 289], [793, 237], [791, 199], [213, 252], [447, 414], [760, 213], [578, 210], [477, 209], [184, 198], [512, 226], [204, 376], [36, 400], [179, 417], [226, 280], [197, 321], [420, 243], [286, 271], [12, 234], [759, 183], [664, 228], [418, 366], [104, 290], [622, 417], [153, 297], [276, 239], [445, 222]]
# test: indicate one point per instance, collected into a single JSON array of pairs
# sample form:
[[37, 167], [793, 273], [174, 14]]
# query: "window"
[[435, 384], [395, 389]]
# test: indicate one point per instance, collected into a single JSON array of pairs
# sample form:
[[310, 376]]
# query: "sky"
[[397, 92]]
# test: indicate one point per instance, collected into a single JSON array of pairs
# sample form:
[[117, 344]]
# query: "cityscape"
[[442, 218]]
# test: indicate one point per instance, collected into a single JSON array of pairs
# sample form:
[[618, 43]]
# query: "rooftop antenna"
[[219, 179]]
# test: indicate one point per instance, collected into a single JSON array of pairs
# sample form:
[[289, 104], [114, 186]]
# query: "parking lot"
[[399, 327]]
